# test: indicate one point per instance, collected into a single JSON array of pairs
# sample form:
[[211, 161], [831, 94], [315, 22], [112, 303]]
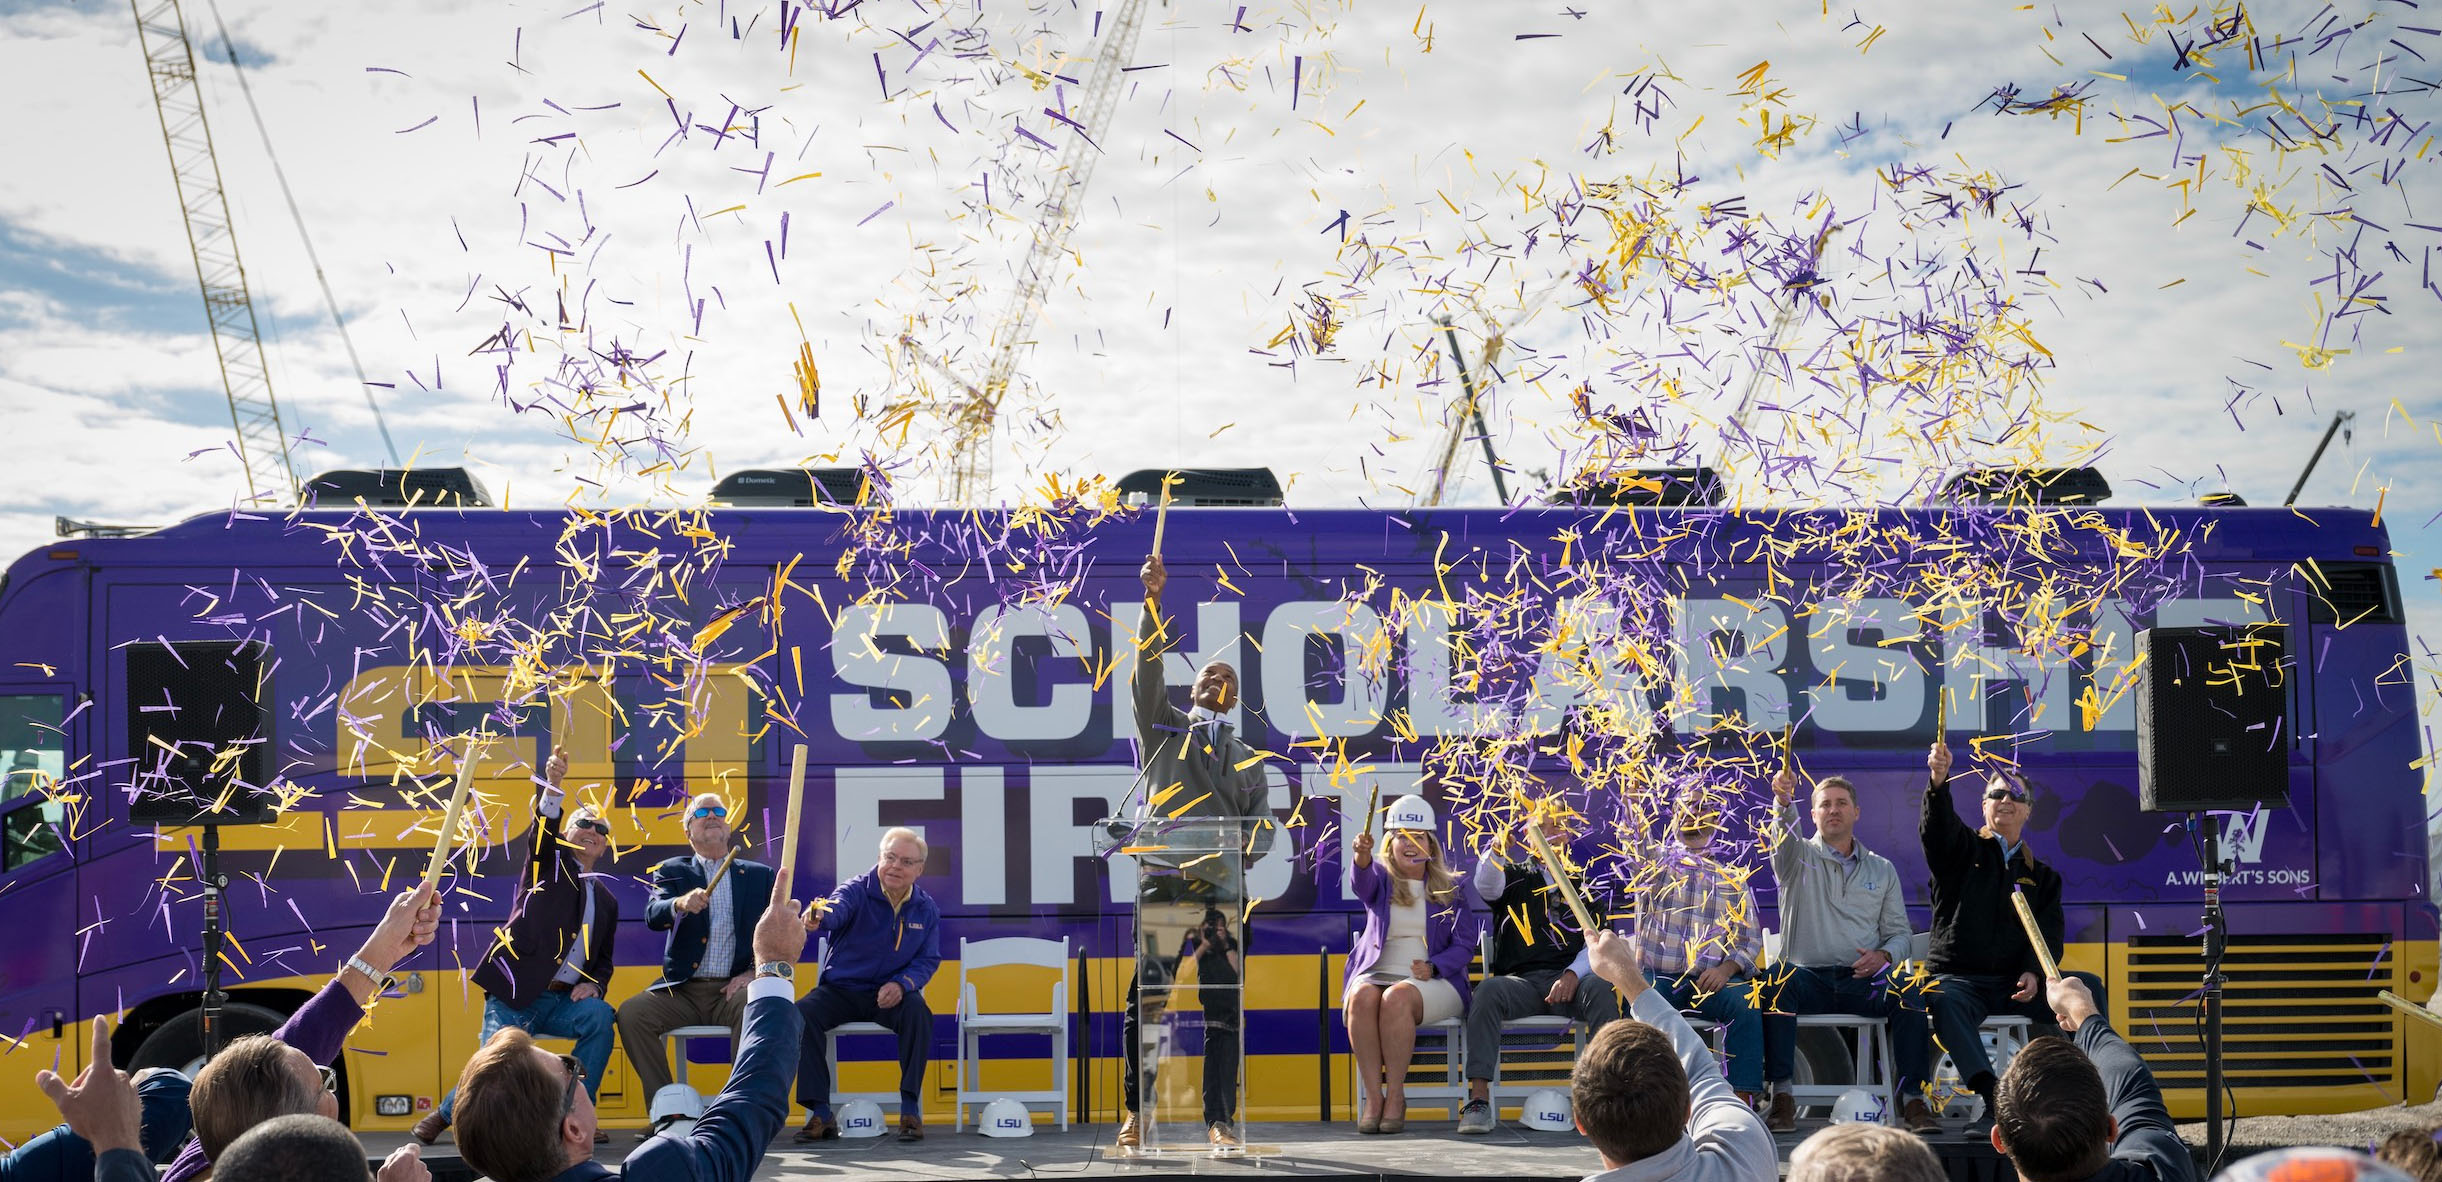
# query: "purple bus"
[[967, 674]]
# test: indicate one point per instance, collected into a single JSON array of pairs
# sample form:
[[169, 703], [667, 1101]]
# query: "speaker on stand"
[[195, 731], [2211, 727]]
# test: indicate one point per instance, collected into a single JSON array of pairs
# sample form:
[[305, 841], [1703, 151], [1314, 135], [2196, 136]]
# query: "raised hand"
[[1155, 576], [1937, 761], [1616, 960], [101, 1105], [412, 921], [1363, 849], [780, 935], [1785, 786], [2071, 1002]]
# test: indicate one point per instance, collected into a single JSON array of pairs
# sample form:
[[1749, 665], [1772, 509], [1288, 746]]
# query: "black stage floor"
[[1429, 1149]]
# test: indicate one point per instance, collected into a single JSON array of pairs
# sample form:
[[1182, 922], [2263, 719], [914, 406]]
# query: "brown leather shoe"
[[911, 1128], [1784, 1115], [1917, 1117], [1222, 1138], [601, 1138], [1131, 1135], [429, 1129], [818, 1128]]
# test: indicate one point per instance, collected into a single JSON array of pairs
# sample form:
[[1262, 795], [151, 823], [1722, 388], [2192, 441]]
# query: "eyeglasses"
[[576, 1075], [897, 860], [2012, 794], [330, 1079], [710, 810], [601, 827]]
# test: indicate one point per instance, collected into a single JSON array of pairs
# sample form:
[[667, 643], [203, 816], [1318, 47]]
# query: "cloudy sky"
[[681, 182]]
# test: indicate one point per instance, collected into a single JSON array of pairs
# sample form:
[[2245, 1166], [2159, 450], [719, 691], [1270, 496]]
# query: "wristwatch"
[[382, 982], [777, 968]]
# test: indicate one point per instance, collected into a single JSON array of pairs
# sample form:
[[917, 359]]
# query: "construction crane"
[[254, 414], [973, 415], [1470, 413]]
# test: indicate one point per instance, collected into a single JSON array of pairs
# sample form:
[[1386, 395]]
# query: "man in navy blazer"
[[707, 965], [523, 1115]]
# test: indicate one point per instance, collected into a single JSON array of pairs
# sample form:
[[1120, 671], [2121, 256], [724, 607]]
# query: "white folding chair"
[[1503, 1088], [674, 1048], [1872, 1066], [974, 1024], [1450, 1094]]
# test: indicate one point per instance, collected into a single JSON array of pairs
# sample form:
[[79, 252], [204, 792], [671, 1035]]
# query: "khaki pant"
[[648, 1016]]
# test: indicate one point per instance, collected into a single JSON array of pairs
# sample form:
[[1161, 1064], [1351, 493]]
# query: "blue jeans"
[[1791, 990], [1961, 1003], [1733, 1007], [553, 1015]]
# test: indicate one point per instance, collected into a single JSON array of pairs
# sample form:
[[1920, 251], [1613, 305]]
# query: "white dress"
[[1403, 946]]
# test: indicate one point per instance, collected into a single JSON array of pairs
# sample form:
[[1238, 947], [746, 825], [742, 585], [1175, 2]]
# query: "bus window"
[[32, 758]]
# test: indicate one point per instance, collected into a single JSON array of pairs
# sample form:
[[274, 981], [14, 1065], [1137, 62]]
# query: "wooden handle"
[[1161, 515], [788, 839], [2410, 1008], [1789, 753], [2043, 951], [1559, 877], [457, 809]]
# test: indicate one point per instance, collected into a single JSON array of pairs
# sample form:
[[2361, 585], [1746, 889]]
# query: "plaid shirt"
[[1694, 911]]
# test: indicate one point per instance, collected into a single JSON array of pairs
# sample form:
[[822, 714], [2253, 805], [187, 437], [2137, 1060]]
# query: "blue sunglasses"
[[711, 810]]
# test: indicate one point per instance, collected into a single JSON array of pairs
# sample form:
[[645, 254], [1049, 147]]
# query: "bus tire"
[[178, 1042], [1823, 1057]]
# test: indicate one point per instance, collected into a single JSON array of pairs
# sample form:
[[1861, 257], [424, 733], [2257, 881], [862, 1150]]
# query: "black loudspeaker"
[[2212, 718], [195, 730]]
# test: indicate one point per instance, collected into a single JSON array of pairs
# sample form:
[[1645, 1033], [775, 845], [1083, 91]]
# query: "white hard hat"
[[1857, 1106], [1411, 812], [1547, 1111], [1005, 1117], [675, 1109], [860, 1118]]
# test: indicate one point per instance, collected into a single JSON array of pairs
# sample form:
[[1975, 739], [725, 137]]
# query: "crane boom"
[[973, 420], [262, 443]]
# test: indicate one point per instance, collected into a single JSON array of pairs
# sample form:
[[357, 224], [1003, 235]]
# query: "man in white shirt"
[[1651, 1096]]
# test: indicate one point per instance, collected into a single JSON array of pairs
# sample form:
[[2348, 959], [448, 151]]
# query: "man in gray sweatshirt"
[[1650, 1094], [1844, 926]]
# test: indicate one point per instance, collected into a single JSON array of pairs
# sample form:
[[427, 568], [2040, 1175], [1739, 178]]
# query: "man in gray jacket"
[[1193, 764], [1844, 927], [1651, 1096]]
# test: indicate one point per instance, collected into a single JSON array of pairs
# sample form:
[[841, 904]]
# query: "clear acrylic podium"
[[1189, 1045]]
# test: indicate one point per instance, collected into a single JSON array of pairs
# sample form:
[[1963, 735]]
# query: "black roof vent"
[[2347, 593], [783, 488], [1642, 487], [2222, 500], [1203, 486], [397, 488], [2027, 486]]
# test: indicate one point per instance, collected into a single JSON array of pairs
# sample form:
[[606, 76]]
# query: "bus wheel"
[[1823, 1057], [179, 1042]]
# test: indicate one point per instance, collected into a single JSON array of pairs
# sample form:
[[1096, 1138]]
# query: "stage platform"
[[1301, 1149]]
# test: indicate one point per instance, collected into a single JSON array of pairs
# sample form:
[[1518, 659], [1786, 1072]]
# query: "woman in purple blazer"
[[1409, 966]]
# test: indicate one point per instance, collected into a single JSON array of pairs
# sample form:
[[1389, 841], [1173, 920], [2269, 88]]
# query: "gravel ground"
[[2353, 1130]]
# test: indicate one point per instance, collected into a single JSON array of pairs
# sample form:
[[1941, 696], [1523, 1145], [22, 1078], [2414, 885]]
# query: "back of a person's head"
[[2052, 1114], [2310, 1164], [2414, 1152], [293, 1149], [1629, 1092], [508, 1113], [1865, 1153], [249, 1082]]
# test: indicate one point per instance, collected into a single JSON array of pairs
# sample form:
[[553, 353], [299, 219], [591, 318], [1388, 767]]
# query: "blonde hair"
[[1439, 882]]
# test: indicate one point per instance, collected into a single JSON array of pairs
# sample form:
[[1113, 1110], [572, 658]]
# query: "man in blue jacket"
[[706, 967], [523, 1115], [885, 943]]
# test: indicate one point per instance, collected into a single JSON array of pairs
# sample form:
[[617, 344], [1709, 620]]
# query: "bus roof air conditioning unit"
[[1670, 488], [790, 488], [398, 488], [1204, 487], [2027, 486]]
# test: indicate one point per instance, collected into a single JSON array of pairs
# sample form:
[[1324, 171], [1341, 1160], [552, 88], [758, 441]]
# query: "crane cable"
[[230, 47]]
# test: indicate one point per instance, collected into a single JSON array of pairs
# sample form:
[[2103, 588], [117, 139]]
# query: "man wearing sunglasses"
[[707, 965], [547, 967], [1979, 946]]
